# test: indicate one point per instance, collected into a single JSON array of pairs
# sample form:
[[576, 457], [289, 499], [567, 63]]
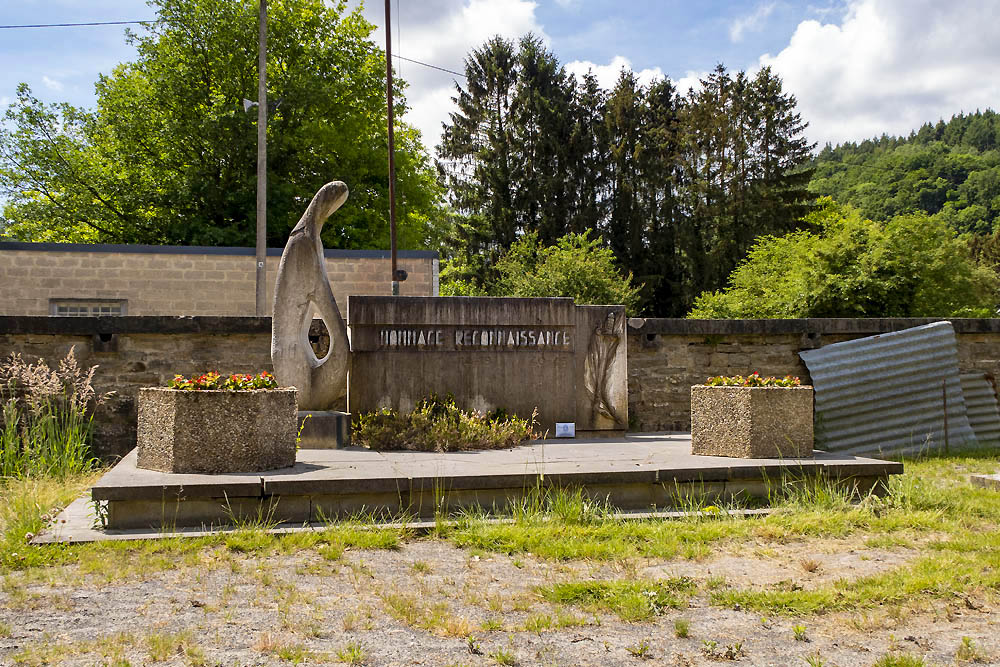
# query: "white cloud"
[[442, 32], [51, 84], [607, 75], [891, 65], [690, 81], [750, 22]]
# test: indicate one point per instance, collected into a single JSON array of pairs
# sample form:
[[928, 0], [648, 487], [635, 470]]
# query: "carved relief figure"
[[601, 357], [302, 286]]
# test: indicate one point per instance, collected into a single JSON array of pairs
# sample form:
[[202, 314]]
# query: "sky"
[[858, 68]]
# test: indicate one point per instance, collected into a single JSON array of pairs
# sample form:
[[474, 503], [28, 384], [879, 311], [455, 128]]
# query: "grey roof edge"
[[808, 326], [204, 250], [131, 324]]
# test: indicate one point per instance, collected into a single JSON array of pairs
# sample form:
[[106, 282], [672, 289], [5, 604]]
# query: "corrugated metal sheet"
[[981, 406], [886, 394]]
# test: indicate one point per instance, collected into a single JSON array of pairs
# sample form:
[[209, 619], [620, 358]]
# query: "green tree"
[[742, 169], [576, 266], [849, 266], [169, 155]]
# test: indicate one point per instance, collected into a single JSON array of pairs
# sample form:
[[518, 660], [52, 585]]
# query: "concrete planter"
[[752, 422], [216, 431]]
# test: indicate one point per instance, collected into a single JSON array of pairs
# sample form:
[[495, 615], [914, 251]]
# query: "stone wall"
[[665, 356], [174, 280]]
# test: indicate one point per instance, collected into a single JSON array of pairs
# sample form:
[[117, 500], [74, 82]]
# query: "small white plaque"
[[565, 429]]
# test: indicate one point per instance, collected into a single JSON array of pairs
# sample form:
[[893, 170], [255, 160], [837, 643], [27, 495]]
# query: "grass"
[[948, 526], [637, 600]]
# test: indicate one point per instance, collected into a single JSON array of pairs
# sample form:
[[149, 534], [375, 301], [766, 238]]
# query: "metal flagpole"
[[262, 164], [392, 161]]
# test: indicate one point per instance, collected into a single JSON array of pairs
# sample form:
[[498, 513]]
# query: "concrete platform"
[[637, 472]]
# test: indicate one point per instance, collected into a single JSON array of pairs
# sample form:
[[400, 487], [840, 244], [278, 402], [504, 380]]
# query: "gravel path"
[[420, 605]]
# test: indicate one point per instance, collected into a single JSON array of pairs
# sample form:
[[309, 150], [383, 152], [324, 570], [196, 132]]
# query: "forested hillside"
[[950, 170]]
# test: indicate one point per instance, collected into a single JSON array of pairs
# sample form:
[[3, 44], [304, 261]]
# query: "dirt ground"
[[430, 603]]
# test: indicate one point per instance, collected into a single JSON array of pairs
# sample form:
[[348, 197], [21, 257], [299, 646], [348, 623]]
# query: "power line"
[[449, 71], [74, 25], [97, 23]]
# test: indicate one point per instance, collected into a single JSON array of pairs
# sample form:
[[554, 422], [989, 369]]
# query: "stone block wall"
[[665, 356], [173, 280]]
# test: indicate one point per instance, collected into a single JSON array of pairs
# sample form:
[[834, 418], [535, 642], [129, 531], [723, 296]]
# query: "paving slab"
[[643, 458], [126, 481], [986, 481]]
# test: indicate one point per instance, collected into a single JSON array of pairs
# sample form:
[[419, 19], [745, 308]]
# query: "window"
[[87, 307]]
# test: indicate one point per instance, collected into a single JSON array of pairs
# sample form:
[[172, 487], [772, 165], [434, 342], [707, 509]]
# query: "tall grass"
[[47, 418]]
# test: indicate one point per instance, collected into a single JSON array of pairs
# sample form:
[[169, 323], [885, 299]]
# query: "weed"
[[815, 660], [163, 646], [45, 418], [420, 567], [538, 623], [969, 652], [809, 564], [491, 624], [567, 620], [503, 657], [352, 654], [682, 628], [472, 645], [439, 425], [799, 632], [640, 650], [899, 660]]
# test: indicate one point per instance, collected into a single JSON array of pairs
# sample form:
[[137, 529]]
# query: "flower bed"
[[752, 417], [211, 424]]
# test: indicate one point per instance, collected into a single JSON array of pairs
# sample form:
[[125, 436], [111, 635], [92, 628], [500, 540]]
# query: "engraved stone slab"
[[567, 362]]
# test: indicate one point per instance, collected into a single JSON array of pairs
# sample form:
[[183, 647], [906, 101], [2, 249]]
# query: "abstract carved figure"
[[598, 368], [302, 286]]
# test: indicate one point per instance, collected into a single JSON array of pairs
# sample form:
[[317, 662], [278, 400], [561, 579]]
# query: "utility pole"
[[262, 163], [392, 161]]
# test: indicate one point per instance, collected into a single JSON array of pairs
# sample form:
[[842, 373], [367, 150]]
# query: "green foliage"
[[848, 266], [950, 171], [437, 425], [47, 416], [677, 185], [168, 154], [575, 266], [630, 600]]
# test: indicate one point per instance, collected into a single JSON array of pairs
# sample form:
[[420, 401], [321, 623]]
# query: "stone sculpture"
[[303, 287]]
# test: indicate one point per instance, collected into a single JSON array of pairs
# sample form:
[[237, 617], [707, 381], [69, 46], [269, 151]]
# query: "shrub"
[[437, 425], [47, 415]]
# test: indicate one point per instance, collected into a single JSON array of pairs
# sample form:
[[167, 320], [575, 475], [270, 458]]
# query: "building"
[[68, 279]]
